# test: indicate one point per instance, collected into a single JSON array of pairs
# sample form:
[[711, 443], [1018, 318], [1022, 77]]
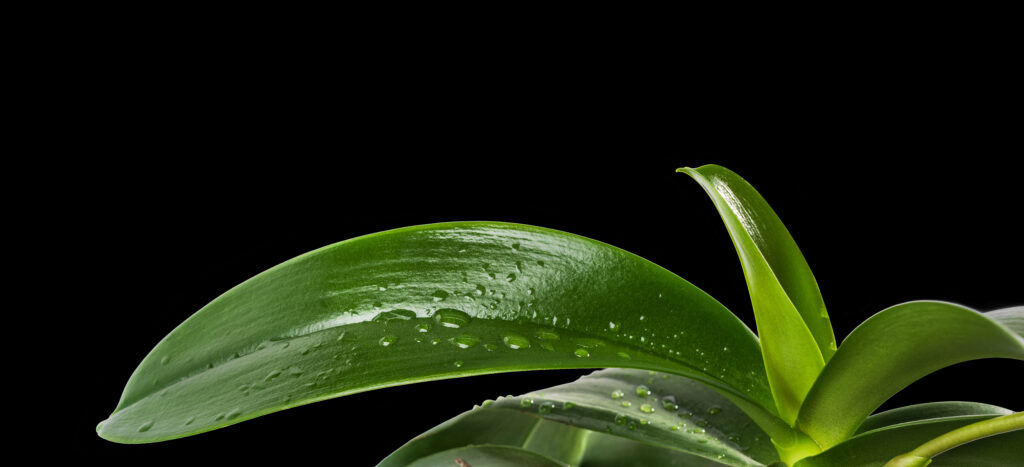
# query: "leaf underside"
[[681, 420], [425, 303]]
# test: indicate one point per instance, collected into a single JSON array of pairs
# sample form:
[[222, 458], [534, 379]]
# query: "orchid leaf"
[[876, 447], [652, 409], [796, 334], [894, 348], [424, 303]]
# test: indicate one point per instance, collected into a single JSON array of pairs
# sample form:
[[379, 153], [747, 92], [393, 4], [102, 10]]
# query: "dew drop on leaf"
[[451, 318], [516, 342]]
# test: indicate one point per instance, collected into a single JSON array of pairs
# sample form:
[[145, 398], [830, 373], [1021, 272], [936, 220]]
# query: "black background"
[[898, 183]]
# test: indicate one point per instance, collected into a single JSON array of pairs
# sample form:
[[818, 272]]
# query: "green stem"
[[924, 453]]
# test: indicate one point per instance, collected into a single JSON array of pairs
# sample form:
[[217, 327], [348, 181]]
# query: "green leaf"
[[650, 408], [656, 408], [486, 455], [929, 410], [796, 334], [425, 303], [894, 348], [876, 447]]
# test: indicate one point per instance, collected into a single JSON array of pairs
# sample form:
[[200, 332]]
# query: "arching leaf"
[[894, 348], [424, 303]]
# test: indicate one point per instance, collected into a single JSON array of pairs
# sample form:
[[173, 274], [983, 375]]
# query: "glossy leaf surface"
[[796, 334], [894, 348], [647, 408], [424, 303]]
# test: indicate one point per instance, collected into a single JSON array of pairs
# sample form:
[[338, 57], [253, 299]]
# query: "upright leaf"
[[796, 334], [894, 348], [430, 302]]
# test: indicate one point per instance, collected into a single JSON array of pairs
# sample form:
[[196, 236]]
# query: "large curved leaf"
[[796, 334], [651, 409], [922, 423], [430, 302], [894, 348]]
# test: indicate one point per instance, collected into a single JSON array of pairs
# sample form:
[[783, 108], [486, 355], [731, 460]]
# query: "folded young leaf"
[[894, 348], [653, 409], [876, 447], [424, 303], [796, 334]]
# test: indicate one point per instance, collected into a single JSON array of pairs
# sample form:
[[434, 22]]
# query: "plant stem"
[[924, 453]]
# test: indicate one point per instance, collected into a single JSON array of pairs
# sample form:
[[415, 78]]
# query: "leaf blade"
[[892, 349], [423, 303], [796, 334]]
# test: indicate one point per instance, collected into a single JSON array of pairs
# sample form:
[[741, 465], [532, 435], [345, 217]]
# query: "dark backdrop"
[[893, 194]]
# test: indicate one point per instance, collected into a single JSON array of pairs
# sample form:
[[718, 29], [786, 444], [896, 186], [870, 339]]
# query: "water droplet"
[[439, 295], [702, 423], [530, 291], [641, 317], [435, 341], [581, 352], [459, 363], [540, 263], [387, 340], [341, 336], [669, 403], [382, 288], [510, 278], [632, 426], [464, 341], [547, 335], [190, 420], [146, 426], [480, 290], [626, 403], [714, 410], [646, 408], [486, 402], [219, 417], [702, 441], [394, 315], [424, 327], [525, 402], [490, 347], [234, 414], [547, 346], [165, 360], [643, 391], [685, 414], [567, 405], [613, 325], [377, 304], [617, 394], [832, 345], [623, 354], [620, 419], [451, 318], [515, 245], [516, 342], [545, 407], [675, 427]]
